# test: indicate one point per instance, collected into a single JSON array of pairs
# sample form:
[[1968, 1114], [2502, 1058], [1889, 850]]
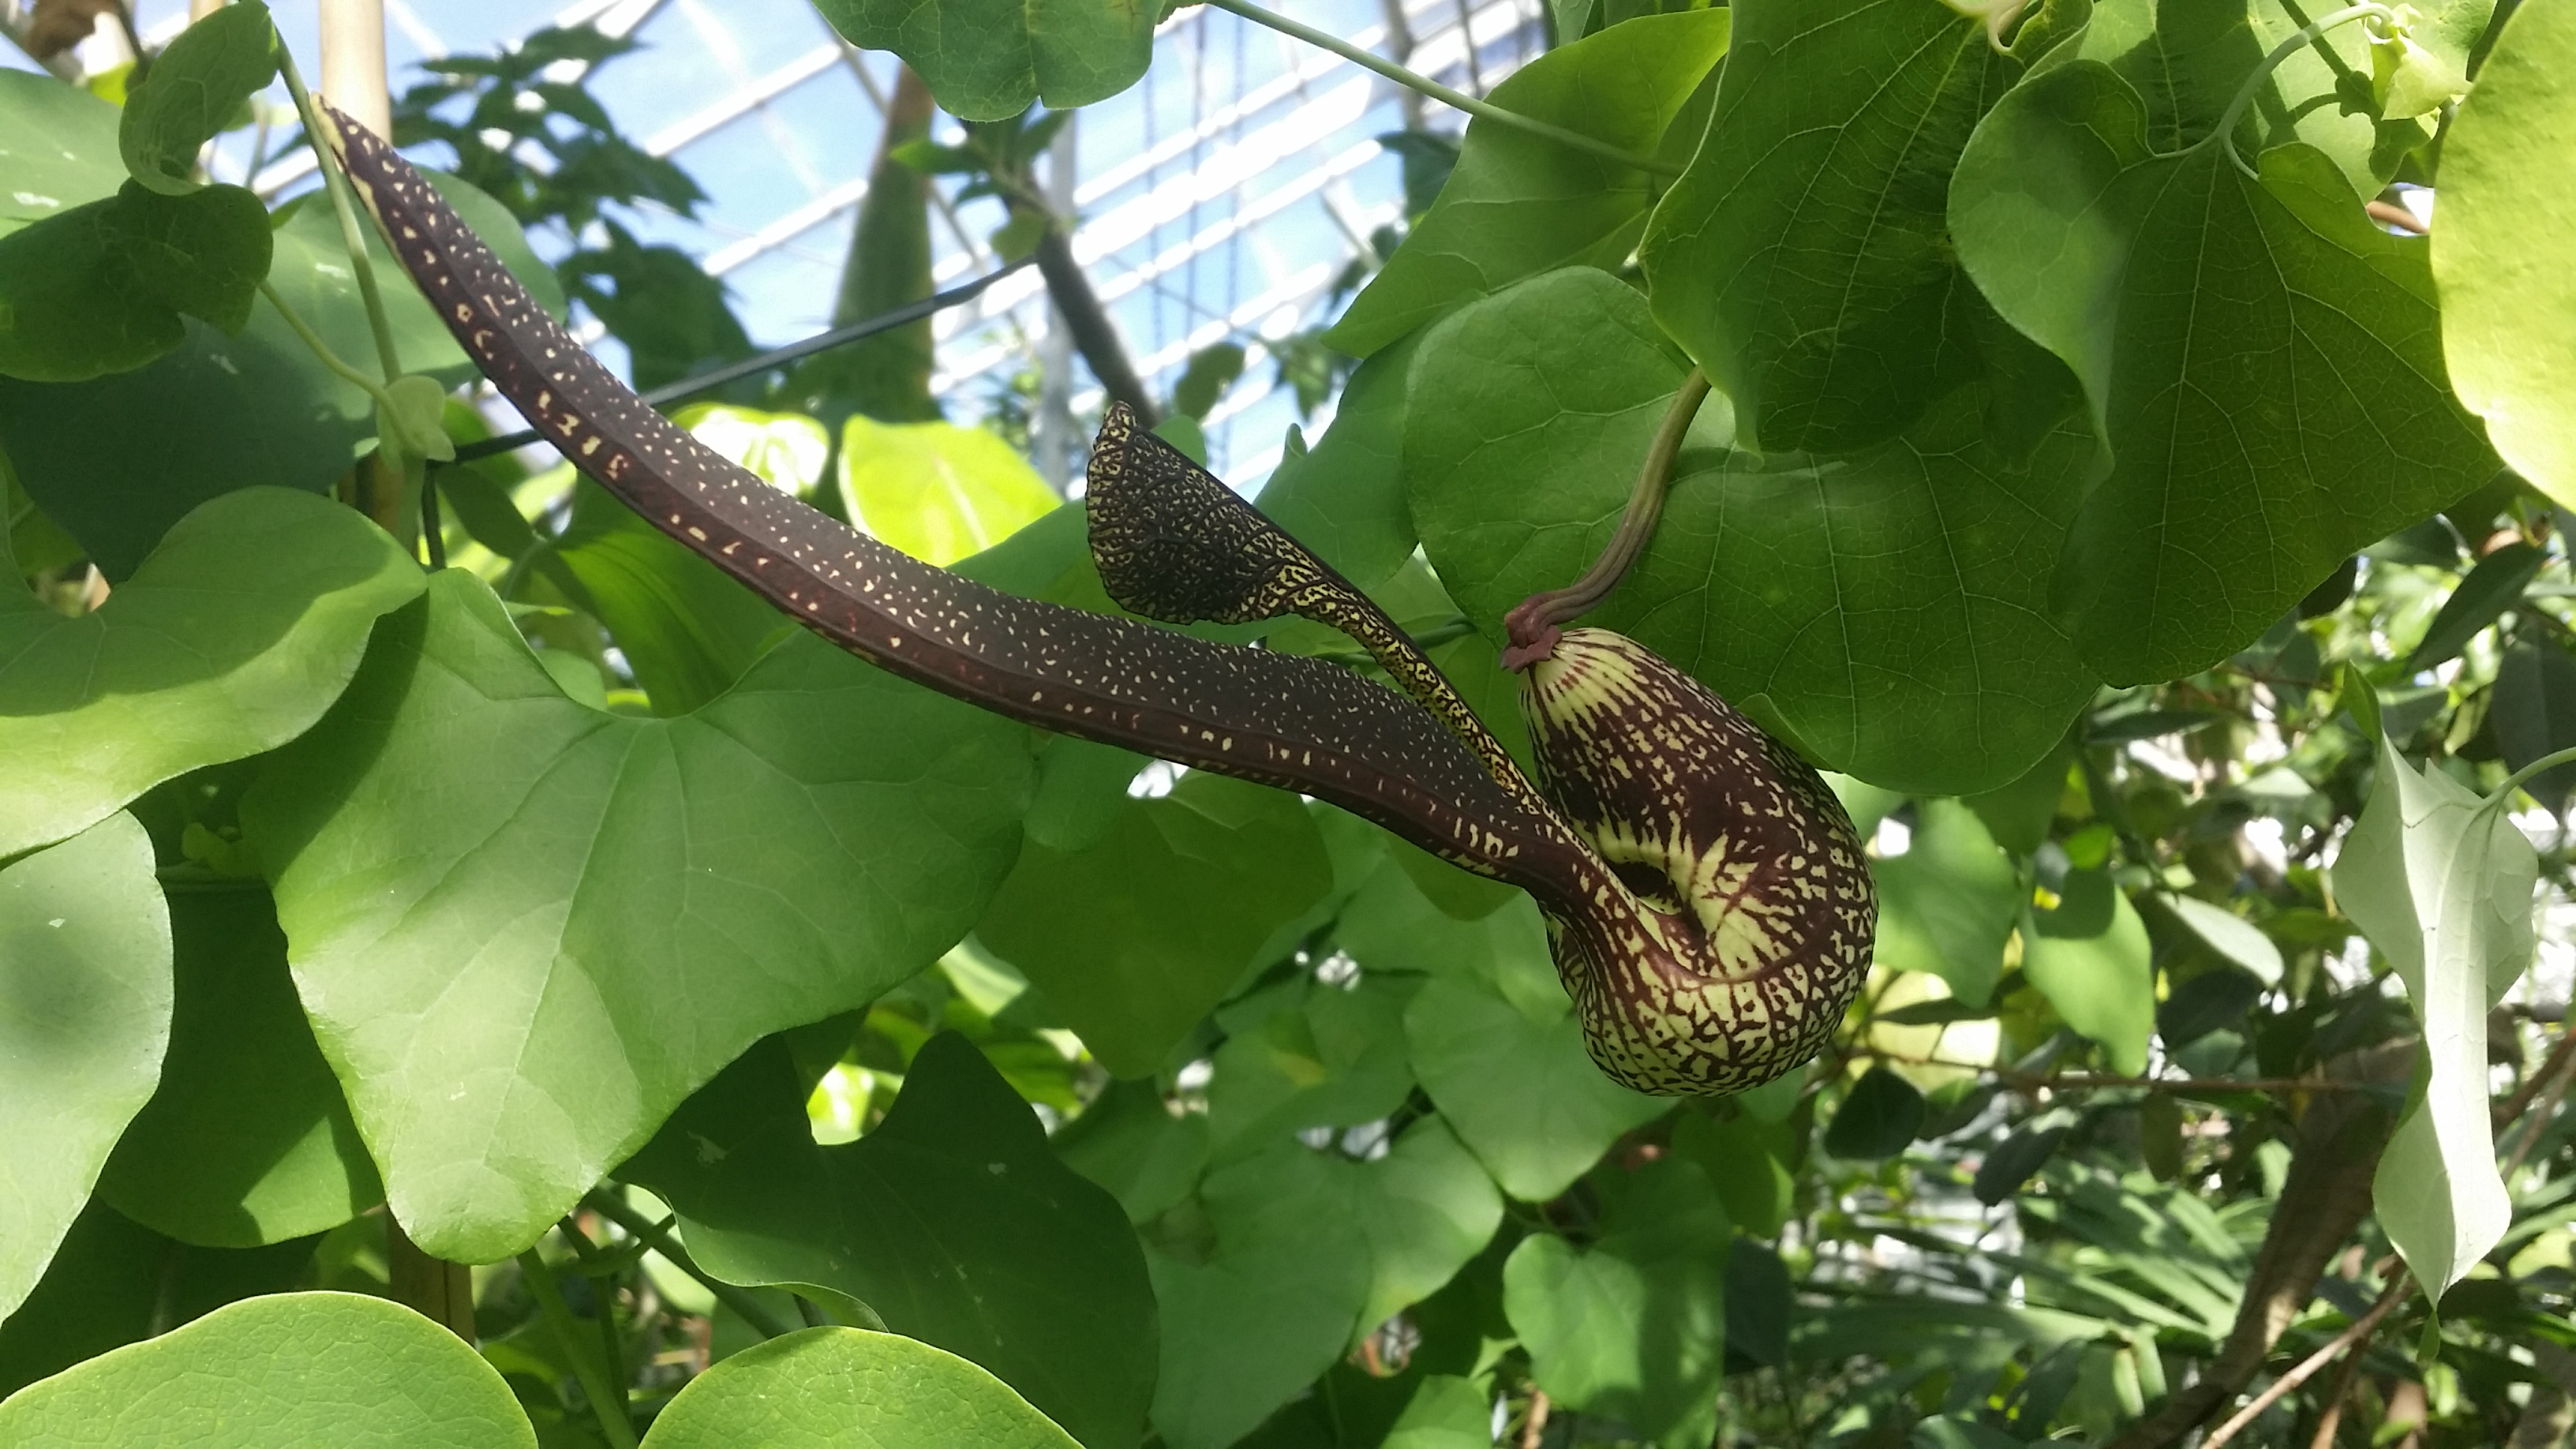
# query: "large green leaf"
[[952, 1219], [117, 460], [199, 84], [58, 151], [2261, 359], [248, 1140], [986, 60], [495, 895], [293, 1368], [85, 973], [846, 1388], [233, 638], [1876, 607], [2089, 956], [1634, 1326], [1804, 259], [2502, 254], [2441, 882], [1136, 937], [1518, 204], [114, 1281], [1496, 1044]]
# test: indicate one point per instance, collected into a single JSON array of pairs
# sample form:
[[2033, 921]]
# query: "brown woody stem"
[[1533, 627], [1087, 322]]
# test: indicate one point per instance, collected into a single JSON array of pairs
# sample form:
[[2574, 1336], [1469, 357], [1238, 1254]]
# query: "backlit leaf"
[[986, 60], [2441, 882], [2502, 252], [2089, 956], [1948, 904], [935, 490]]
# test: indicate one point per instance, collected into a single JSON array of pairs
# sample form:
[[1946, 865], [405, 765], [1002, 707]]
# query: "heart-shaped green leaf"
[[847, 1386], [1424, 1209], [117, 460], [1877, 607], [2503, 254], [2261, 359], [492, 894], [233, 638], [1633, 1326], [952, 1219], [1507, 1066], [986, 60], [293, 1368], [197, 86], [1804, 259], [85, 948]]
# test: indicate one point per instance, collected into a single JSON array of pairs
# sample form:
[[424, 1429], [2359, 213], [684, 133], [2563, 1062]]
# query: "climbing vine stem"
[[1533, 625], [2225, 135], [322, 350], [607, 1400], [345, 206], [1413, 81]]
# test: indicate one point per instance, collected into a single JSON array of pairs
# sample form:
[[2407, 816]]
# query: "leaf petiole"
[[1410, 80], [342, 205], [658, 1238], [321, 349], [2225, 135], [607, 1402], [2513, 781]]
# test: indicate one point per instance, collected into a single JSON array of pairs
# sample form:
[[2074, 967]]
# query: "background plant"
[[2167, 557]]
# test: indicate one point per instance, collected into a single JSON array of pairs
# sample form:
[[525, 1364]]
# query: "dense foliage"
[[700, 1036]]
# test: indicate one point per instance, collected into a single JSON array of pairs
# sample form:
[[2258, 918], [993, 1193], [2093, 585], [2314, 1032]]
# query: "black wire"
[[776, 357]]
